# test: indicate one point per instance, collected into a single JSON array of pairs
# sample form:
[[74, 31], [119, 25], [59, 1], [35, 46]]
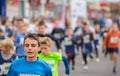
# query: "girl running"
[[112, 42]]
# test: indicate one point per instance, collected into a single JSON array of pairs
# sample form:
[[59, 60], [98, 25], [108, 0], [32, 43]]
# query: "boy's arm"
[[105, 42], [66, 64], [57, 43], [49, 71]]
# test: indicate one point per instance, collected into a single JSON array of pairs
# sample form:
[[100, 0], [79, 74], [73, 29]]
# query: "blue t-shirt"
[[19, 44], [21, 67]]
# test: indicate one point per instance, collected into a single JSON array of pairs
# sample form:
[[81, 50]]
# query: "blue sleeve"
[[11, 71], [17, 40], [67, 68], [49, 71], [10, 33], [62, 38], [74, 39]]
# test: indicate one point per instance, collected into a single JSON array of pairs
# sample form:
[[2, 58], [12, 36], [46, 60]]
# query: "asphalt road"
[[102, 68]]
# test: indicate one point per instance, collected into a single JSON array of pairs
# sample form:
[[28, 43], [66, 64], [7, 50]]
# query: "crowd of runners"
[[23, 42]]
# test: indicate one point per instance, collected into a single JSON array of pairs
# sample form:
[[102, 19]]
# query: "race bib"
[[57, 35], [52, 63], [86, 39], [29, 75], [68, 41], [21, 40], [97, 37], [113, 39], [6, 67]]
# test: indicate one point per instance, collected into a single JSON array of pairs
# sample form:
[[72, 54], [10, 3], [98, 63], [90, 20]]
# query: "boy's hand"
[[60, 51], [66, 75], [79, 41]]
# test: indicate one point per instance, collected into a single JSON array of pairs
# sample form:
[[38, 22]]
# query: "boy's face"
[[69, 32], [1, 33], [115, 27], [42, 29], [97, 27], [8, 23], [0, 21], [87, 29], [31, 48], [24, 29], [45, 49], [4, 48], [78, 23], [20, 24]]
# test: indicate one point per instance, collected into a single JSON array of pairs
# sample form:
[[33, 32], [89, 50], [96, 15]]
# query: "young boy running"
[[52, 58], [6, 56], [42, 33], [86, 40], [70, 46]]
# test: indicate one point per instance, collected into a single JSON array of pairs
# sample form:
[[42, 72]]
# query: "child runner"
[[18, 42], [112, 41], [42, 28], [6, 56], [70, 46], [104, 33], [87, 38], [97, 35], [52, 58]]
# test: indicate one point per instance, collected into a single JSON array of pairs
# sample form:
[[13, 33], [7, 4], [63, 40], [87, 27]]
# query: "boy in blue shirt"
[[30, 65]]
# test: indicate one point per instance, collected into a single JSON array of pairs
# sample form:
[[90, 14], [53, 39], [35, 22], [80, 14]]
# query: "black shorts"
[[111, 50]]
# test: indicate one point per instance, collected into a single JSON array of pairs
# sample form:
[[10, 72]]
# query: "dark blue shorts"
[[111, 50]]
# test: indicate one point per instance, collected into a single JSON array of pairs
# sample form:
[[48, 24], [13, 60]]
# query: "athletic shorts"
[[111, 50], [69, 55]]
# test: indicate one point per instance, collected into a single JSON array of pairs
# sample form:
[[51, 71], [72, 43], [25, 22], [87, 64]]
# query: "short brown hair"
[[42, 23], [32, 36], [20, 19]]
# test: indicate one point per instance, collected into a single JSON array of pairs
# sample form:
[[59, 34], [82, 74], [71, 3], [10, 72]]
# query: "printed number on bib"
[[68, 41], [86, 39], [6, 67], [57, 35], [51, 62], [21, 40], [29, 75], [97, 36], [113, 39]]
